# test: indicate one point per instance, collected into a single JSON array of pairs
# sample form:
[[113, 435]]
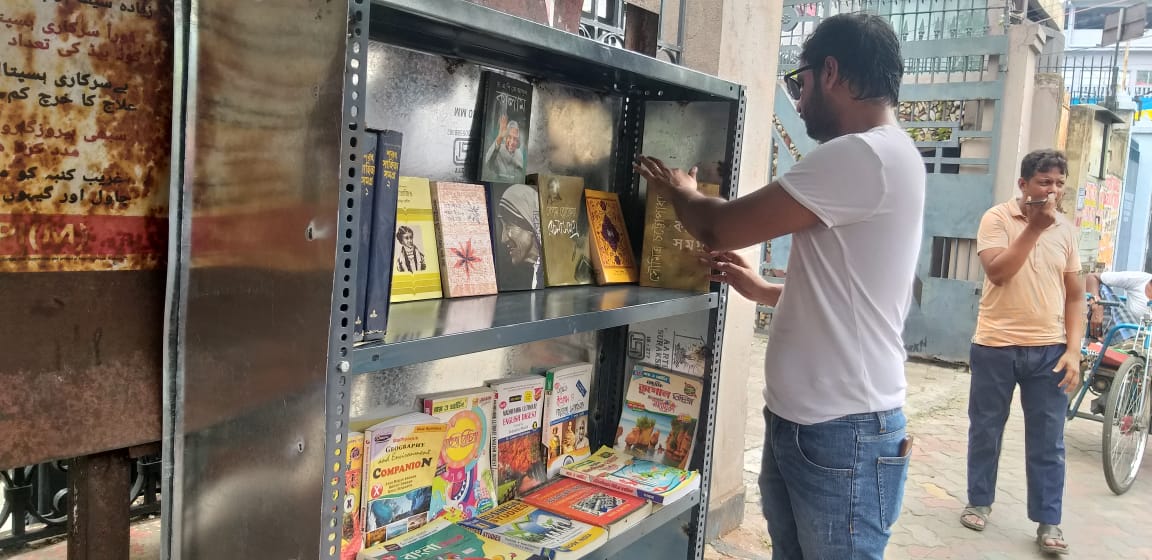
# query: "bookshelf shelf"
[[463, 326]]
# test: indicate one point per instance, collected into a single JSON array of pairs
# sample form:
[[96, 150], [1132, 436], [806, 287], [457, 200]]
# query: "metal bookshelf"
[[262, 374]]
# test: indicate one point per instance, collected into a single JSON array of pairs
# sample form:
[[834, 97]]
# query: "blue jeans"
[[995, 374], [831, 491]]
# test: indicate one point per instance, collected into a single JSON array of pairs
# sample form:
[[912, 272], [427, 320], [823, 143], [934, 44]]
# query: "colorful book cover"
[[564, 230], [367, 192], [623, 473], [612, 257], [514, 211], [519, 453], [661, 412], [671, 256], [380, 265], [566, 397], [442, 540], [464, 485], [530, 528], [677, 343], [417, 272], [351, 535], [588, 503], [401, 455], [504, 132], [461, 217]]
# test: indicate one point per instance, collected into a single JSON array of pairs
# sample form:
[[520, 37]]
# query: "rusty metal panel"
[[85, 105], [252, 290]]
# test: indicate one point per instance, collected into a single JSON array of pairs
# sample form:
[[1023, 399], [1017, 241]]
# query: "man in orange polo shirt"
[[1028, 333]]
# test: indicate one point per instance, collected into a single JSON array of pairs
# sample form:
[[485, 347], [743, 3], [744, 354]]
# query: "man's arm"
[[1001, 264], [1074, 312], [722, 225], [1093, 284]]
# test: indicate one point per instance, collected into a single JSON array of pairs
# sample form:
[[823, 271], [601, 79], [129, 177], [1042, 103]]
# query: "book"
[[539, 531], [670, 257], [661, 412], [461, 219], [504, 130], [401, 455], [514, 212], [677, 343], [351, 533], [611, 248], [563, 230], [443, 540], [623, 473], [367, 192], [383, 242], [591, 504], [566, 398], [416, 275], [518, 451], [464, 485]]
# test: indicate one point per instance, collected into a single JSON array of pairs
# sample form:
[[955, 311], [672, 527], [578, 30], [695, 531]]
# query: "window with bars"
[[955, 258]]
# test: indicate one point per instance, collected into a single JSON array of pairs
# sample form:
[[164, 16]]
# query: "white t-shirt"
[[835, 345], [1130, 284]]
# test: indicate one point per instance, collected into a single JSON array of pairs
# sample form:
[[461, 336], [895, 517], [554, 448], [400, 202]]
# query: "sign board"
[[1125, 24]]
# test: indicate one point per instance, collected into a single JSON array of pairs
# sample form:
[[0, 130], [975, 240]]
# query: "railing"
[[913, 20], [34, 499], [1089, 80], [604, 21]]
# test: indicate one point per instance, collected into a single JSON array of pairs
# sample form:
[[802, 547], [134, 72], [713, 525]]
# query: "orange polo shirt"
[[1028, 309]]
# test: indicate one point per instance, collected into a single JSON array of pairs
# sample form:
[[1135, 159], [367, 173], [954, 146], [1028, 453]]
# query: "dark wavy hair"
[[867, 50], [1040, 161]]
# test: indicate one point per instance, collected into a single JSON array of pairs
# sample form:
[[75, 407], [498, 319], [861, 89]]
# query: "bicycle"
[[1121, 379]]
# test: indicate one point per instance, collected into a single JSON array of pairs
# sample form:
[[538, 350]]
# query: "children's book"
[[625, 474], [464, 486]]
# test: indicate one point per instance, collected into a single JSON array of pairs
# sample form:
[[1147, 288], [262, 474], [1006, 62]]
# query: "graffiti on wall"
[[1098, 219]]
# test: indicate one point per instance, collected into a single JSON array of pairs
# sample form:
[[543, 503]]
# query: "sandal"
[[979, 512], [1045, 533]]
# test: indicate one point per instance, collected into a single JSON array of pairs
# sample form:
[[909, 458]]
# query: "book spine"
[[368, 167], [389, 143]]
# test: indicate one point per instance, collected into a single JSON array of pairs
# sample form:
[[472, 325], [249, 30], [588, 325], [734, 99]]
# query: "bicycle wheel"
[[1125, 425]]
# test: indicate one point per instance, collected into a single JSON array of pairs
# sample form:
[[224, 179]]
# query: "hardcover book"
[[591, 504], [367, 196], [661, 412], [532, 529], [518, 456], [441, 540], [612, 257], [399, 470], [416, 275], [623, 473], [514, 211], [566, 398], [380, 266], [461, 218], [351, 534], [564, 230], [504, 132], [464, 485], [671, 256]]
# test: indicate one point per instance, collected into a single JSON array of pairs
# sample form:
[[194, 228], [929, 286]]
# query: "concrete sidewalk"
[[1097, 523]]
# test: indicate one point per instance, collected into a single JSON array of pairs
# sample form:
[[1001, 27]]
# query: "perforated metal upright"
[[262, 375]]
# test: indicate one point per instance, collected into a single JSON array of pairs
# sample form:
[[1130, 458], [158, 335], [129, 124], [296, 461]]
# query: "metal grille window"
[[955, 258], [604, 21]]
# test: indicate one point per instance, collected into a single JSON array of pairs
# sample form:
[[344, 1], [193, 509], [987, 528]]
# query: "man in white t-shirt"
[[835, 451], [1136, 287]]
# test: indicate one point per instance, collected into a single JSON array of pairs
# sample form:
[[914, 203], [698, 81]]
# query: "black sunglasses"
[[792, 84]]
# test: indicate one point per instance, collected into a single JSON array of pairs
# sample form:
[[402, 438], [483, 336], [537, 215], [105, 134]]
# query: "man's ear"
[[831, 71]]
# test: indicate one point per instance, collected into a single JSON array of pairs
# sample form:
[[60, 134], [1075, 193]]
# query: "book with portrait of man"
[[504, 130], [416, 275]]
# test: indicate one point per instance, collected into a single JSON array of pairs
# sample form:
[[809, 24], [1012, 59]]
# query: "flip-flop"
[[980, 512], [1045, 532]]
